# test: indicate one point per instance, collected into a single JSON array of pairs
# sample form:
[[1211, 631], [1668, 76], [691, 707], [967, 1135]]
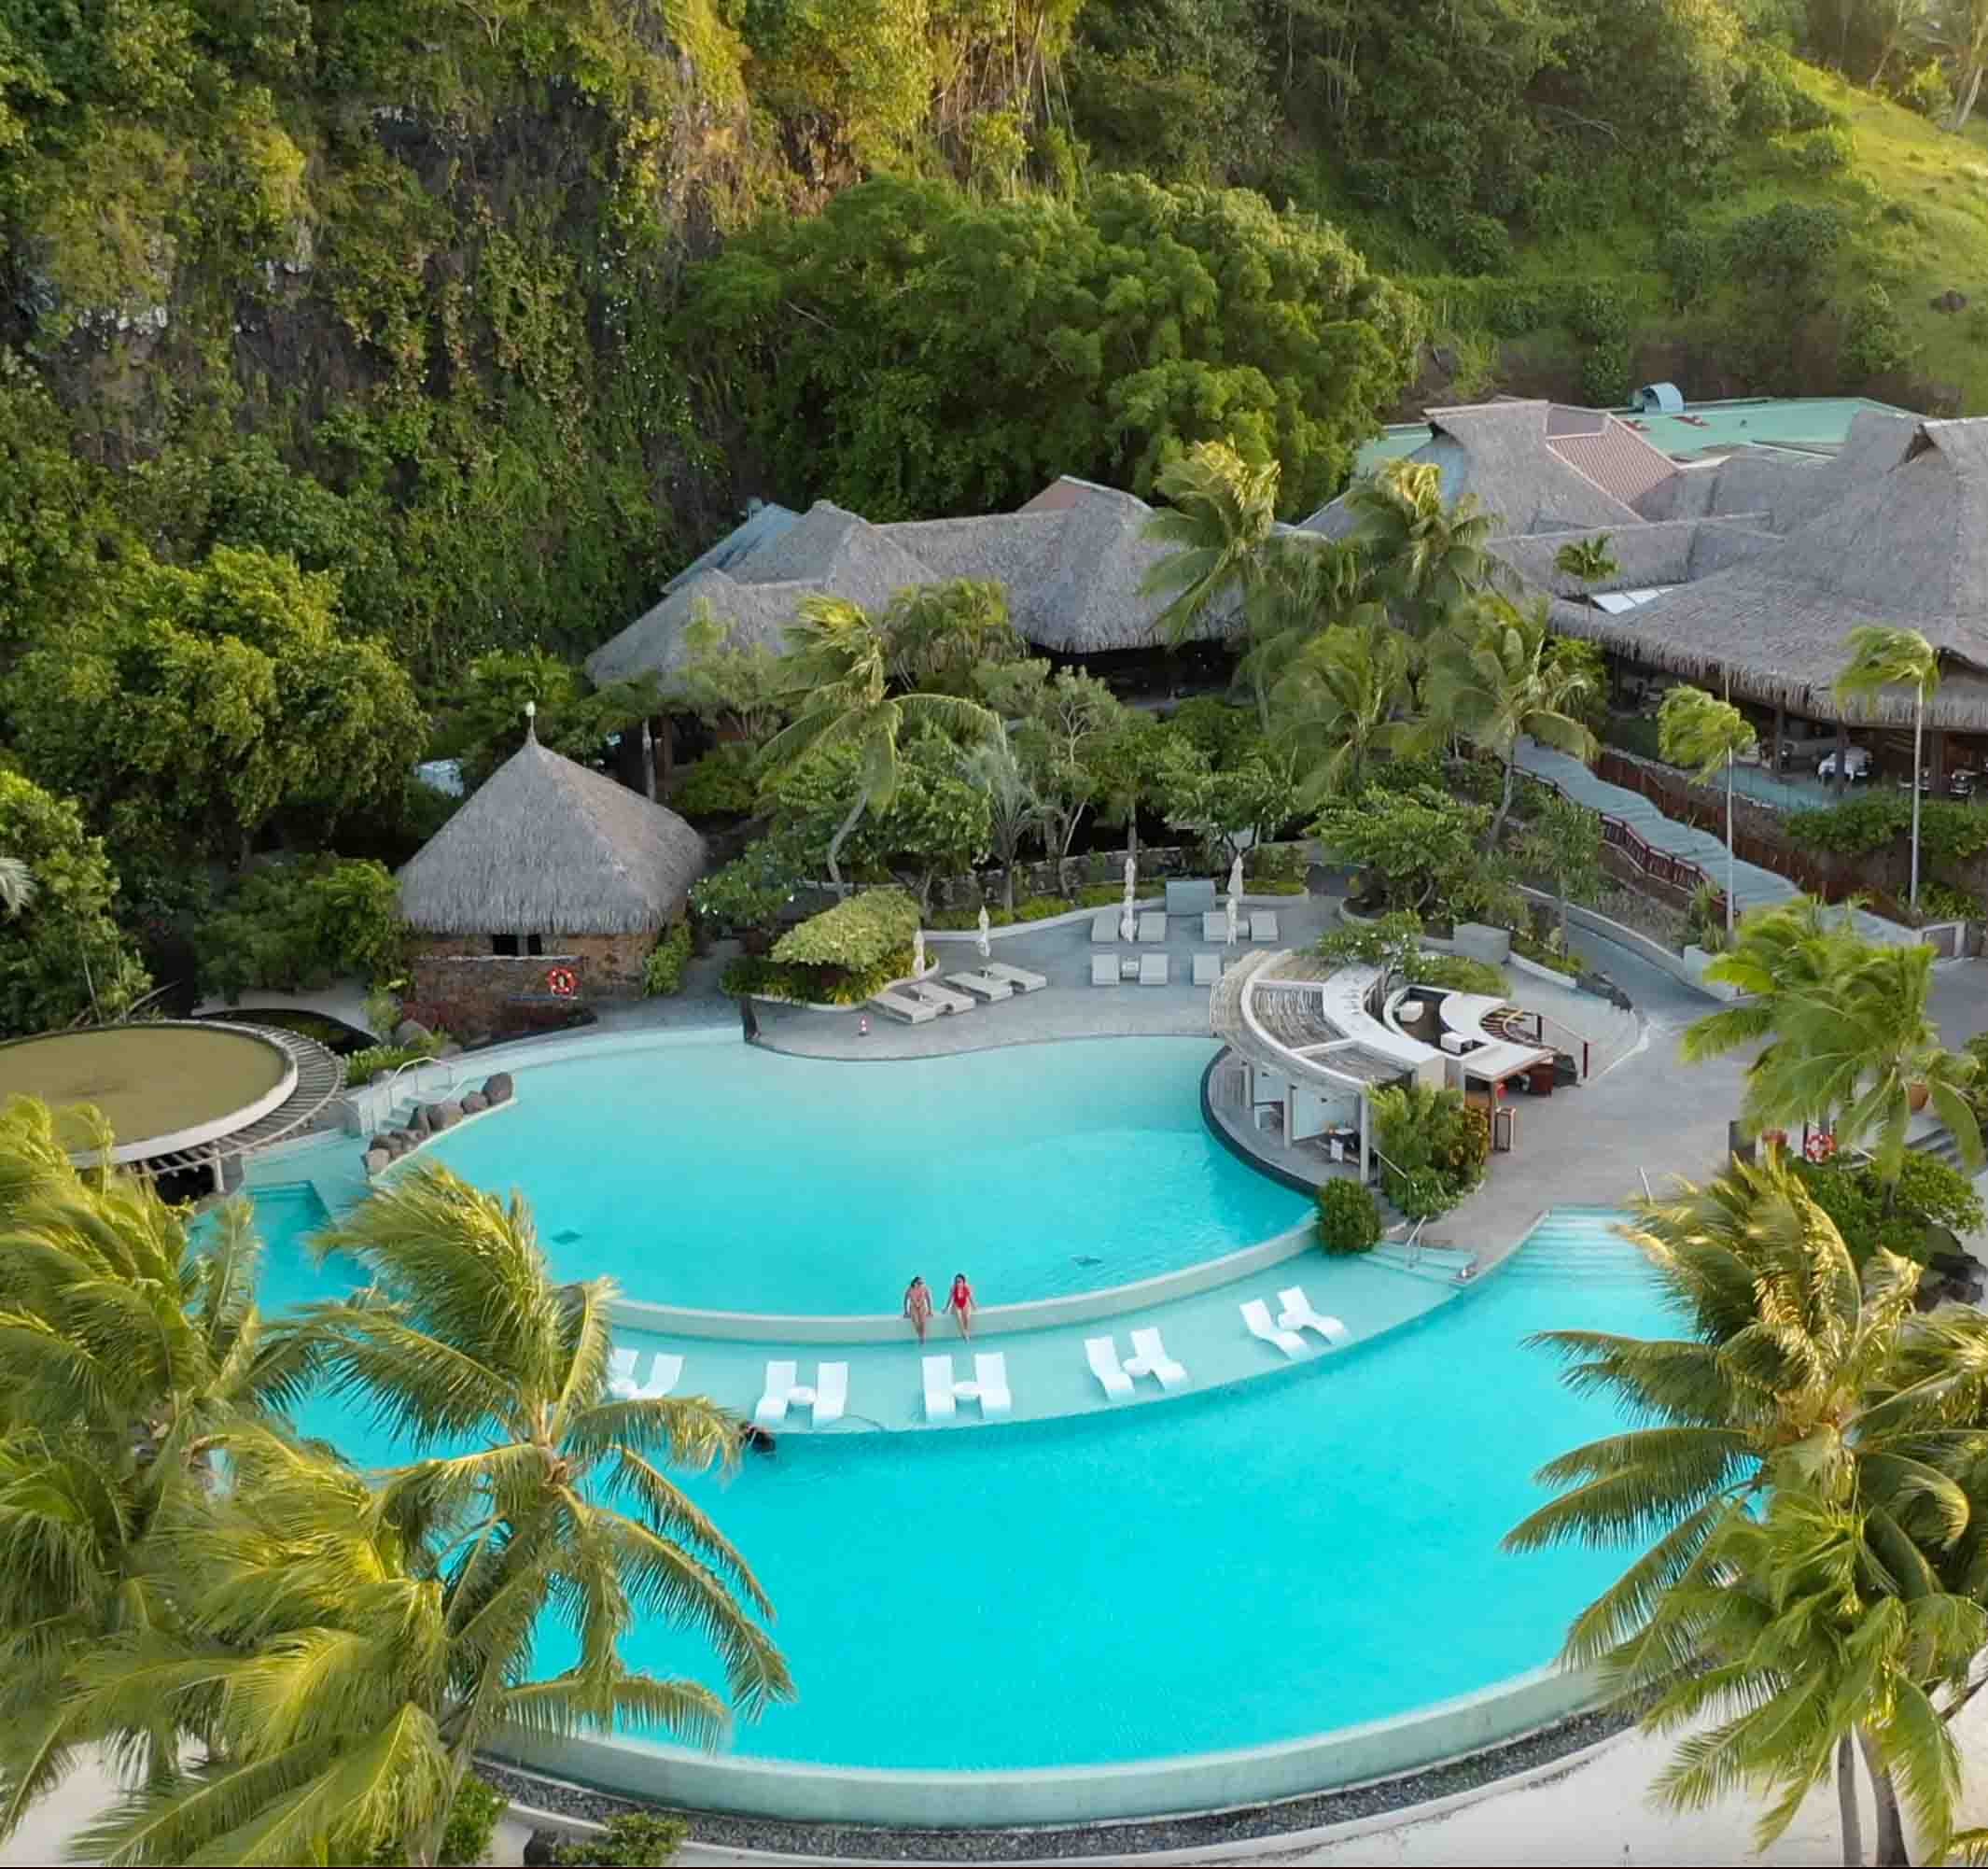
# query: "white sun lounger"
[[1207, 969], [827, 1398], [663, 1375], [989, 1387], [1152, 925], [941, 999], [1104, 930], [1152, 970], [900, 1005], [620, 1368], [1214, 926], [990, 1377], [1103, 1356], [984, 986], [1104, 970], [1263, 925], [1020, 978], [1149, 1358], [1256, 1315], [1297, 1315]]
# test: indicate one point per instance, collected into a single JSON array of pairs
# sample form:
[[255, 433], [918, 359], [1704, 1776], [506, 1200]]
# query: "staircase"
[[1578, 1245]]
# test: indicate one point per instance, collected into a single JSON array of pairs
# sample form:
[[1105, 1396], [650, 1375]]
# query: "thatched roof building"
[[1904, 541], [544, 846], [1071, 561]]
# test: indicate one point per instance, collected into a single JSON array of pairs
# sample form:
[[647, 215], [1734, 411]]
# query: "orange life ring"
[[562, 981]]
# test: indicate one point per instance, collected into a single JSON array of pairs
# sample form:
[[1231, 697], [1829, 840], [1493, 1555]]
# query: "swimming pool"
[[727, 1178], [1299, 1553]]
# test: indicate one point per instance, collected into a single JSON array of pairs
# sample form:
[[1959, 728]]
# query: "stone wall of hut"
[[456, 982]]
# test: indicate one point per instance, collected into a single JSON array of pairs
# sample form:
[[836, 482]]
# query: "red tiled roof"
[[1618, 459]]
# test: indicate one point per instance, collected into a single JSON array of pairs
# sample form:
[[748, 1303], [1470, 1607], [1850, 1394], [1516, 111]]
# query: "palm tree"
[[1012, 804], [1219, 514], [16, 886], [1337, 702], [1698, 730], [533, 1486], [1495, 677], [126, 1357], [1882, 656], [1783, 955], [1792, 1391], [1304, 583], [840, 684], [1588, 561], [1426, 557]]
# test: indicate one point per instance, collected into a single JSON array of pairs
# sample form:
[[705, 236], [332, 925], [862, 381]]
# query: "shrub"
[[750, 890], [1873, 339], [723, 784], [663, 973], [635, 1840], [1690, 260], [1478, 244], [1531, 948], [297, 926], [1928, 1194], [376, 1061], [1942, 902], [472, 1822], [856, 934], [1434, 1146], [1925, 89], [1824, 152], [1456, 973], [1349, 1221], [812, 986], [1948, 832]]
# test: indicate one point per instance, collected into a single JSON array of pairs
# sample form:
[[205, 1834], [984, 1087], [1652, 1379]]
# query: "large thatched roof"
[[1538, 467], [546, 847], [1070, 562], [1905, 542]]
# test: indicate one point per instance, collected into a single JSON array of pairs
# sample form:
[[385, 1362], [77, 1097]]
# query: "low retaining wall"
[[994, 1320], [1198, 1781]]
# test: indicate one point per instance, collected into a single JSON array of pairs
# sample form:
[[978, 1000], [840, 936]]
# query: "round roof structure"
[[162, 1088]]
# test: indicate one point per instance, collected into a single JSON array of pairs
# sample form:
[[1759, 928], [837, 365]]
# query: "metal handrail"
[[1413, 1245], [417, 1065]]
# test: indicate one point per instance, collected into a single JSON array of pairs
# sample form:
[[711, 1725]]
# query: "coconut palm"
[[1588, 561], [840, 687], [1427, 558], [1304, 585], [1698, 730], [126, 1354], [1013, 806], [16, 886], [533, 1488], [1337, 703], [1882, 656], [1794, 1385], [1219, 515], [1783, 956], [1494, 677]]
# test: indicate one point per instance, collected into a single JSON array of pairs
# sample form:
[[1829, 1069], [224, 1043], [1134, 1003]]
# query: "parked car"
[[1857, 763]]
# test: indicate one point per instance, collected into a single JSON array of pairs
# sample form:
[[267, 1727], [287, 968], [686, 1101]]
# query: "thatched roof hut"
[[544, 846], [1905, 544]]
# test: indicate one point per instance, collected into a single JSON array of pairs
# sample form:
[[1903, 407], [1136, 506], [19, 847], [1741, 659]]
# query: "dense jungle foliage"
[[348, 344]]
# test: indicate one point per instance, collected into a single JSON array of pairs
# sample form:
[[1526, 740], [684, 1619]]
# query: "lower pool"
[[1302, 1551], [726, 1177]]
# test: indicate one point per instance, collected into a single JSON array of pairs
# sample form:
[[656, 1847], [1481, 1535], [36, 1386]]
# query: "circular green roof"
[[159, 1087]]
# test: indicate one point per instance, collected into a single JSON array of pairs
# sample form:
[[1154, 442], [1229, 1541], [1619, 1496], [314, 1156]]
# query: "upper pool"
[[733, 1178]]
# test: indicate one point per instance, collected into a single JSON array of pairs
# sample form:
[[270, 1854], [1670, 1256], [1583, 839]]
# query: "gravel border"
[[866, 1843]]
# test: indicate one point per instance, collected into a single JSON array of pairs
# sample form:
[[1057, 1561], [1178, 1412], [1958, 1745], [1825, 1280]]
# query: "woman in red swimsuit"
[[960, 1302]]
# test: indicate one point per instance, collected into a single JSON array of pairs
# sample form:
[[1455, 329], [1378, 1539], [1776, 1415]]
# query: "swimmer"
[[917, 1305], [960, 1302]]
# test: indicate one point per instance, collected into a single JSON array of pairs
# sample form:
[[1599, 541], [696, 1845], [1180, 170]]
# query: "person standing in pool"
[[960, 1302], [917, 1305]]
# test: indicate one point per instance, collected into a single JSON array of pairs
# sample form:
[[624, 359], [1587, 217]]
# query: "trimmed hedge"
[[1349, 1220], [812, 986], [662, 974], [856, 934]]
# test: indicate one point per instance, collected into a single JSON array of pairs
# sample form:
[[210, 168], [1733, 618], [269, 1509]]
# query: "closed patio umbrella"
[[982, 944]]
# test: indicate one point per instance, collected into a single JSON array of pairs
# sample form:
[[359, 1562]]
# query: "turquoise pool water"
[[729, 1178], [1302, 1551]]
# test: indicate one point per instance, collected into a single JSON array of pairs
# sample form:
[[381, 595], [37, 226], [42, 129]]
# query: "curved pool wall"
[[1185, 1784]]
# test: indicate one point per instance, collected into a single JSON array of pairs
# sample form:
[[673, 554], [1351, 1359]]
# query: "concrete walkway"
[[1752, 886]]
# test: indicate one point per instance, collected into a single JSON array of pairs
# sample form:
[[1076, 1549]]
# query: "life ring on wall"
[[563, 982]]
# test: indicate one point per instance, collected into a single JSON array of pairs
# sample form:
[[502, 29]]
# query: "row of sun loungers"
[[1152, 926], [917, 1000], [827, 1398]]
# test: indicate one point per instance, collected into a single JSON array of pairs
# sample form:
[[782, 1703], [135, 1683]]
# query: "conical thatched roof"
[[1908, 544], [545, 847]]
